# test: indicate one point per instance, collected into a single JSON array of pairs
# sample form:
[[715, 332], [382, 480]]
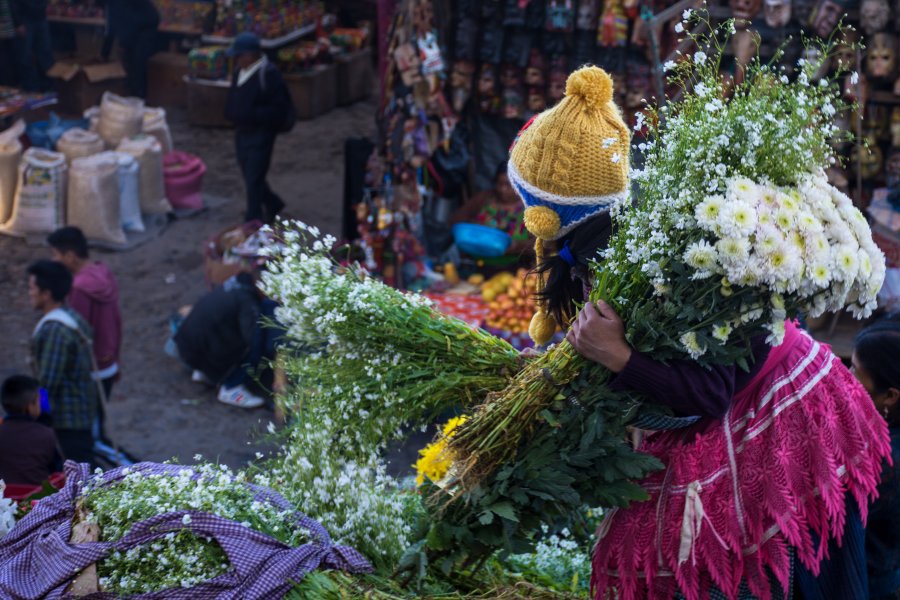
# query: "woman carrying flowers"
[[782, 448]]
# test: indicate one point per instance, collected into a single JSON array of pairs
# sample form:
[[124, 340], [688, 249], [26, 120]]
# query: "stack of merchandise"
[[208, 62], [269, 19]]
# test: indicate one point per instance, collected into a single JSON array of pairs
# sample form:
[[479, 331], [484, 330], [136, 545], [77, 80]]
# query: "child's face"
[[885, 401]]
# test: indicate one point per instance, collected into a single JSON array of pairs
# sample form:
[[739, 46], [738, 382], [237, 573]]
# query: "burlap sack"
[[93, 200], [148, 153], [39, 205], [129, 194], [78, 143], [92, 114], [10, 155], [155, 124], [120, 118]]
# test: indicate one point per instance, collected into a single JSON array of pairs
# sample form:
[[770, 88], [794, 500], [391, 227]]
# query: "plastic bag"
[[10, 155], [120, 118], [148, 153], [40, 201], [45, 134], [129, 195], [184, 180], [155, 124], [78, 143], [93, 199]]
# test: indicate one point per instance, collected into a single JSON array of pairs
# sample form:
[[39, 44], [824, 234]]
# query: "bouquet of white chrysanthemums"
[[736, 226]]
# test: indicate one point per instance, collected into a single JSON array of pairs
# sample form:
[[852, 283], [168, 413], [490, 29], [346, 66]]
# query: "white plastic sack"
[[10, 155], [39, 206], [129, 196], [155, 124], [93, 200], [92, 114], [120, 118], [152, 189], [78, 143]]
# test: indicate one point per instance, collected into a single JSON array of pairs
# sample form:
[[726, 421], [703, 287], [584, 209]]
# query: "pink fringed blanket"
[[738, 493]]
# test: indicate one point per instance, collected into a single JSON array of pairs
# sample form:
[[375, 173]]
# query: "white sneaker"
[[199, 377], [239, 396]]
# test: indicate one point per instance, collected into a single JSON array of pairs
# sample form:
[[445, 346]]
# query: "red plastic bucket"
[[183, 175]]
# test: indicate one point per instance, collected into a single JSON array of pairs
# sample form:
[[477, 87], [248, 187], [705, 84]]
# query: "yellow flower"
[[434, 460]]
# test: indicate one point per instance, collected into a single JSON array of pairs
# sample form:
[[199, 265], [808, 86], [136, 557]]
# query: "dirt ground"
[[156, 412]]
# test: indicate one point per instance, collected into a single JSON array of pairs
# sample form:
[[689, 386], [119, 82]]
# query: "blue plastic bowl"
[[480, 240]]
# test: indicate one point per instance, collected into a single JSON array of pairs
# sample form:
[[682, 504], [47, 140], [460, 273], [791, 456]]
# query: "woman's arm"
[[598, 334]]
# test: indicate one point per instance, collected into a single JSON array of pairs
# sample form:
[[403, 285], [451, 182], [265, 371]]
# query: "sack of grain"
[[119, 118], [10, 155], [129, 195], [155, 124], [93, 199], [151, 190], [39, 205], [78, 143], [92, 114]]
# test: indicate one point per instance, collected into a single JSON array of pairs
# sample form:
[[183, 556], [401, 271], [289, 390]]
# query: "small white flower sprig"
[[735, 227]]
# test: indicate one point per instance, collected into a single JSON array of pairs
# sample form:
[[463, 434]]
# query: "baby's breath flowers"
[[179, 559], [375, 358]]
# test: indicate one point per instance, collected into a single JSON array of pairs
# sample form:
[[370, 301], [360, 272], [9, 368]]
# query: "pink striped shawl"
[[737, 493]]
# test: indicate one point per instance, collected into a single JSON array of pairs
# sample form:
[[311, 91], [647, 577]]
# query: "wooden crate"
[[354, 76], [165, 80], [80, 86], [314, 92], [206, 103]]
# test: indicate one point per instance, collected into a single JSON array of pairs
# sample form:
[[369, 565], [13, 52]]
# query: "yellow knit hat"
[[568, 164]]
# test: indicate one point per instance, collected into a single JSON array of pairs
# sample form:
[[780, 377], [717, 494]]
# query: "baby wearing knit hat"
[[568, 164]]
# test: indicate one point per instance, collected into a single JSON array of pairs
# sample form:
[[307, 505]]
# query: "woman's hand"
[[598, 334]]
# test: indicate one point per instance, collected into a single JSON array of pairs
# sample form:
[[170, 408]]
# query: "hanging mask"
[[537, 100], [844, 52], [895, 127], [874, 15], [430, 54], [588, 11], [461, 83], [744, 11], [537, 66], [513, 103], [408, 63], [560, 16], [558, 75], [869, 167], [510, 76], [488, 95], [825, 17], [778, 13], [881, 56], [802, 10]]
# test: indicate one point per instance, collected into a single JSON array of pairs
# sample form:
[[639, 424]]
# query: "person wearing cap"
[[569, 166], [260, 107], [134, 23]]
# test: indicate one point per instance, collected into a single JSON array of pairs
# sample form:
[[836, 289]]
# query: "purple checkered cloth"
[[37, 560]]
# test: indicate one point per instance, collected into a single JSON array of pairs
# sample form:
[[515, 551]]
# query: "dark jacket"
[[216, 334], [28, 11], [28, 451], [126, 18], [262, 102]]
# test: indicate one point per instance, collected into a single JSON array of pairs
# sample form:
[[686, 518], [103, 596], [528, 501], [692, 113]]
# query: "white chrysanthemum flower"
[[743, 188], [701, 256], [733, 250], [819, 274], [846, 262], [707, 212], [808, 223], [692, 345], [776, 332], [721, 332], [784, 219]]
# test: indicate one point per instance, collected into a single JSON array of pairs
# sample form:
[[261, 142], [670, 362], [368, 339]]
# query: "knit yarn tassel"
[[543, 325]]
